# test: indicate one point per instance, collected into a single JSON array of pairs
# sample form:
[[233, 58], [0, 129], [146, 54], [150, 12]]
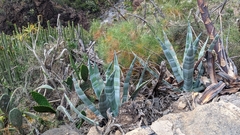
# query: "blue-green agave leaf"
[[202, 51], [211, 47], [195, 44], [189, 39], [64, 110], [84, 98], [127, 81], [188, 68], [173, 63], [147, 68], [135, 93], [109, 70], [117, 81], [96, 80], [104, 104], [143, 72], [79, 113], [45, 87], [110, 93]]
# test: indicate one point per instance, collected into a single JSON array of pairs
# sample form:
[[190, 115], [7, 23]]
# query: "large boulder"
[[217, 118]]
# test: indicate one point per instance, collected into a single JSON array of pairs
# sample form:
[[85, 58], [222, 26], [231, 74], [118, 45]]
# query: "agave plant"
[[185, 73], [107, 92]]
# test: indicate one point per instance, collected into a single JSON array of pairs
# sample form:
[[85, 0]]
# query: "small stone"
[[179, 132], [93, 131], [182, 105], [138, 131], [162, 127]]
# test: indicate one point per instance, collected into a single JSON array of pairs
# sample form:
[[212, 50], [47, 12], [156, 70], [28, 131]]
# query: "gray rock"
[[62, 130], [216, 118]]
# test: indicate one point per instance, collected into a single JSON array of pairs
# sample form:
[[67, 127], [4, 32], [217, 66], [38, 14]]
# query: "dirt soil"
[[27, 11]]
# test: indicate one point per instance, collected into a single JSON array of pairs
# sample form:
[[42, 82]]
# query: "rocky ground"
[[220, 117]]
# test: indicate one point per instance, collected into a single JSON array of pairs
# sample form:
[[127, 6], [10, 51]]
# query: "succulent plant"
[[107, 92]]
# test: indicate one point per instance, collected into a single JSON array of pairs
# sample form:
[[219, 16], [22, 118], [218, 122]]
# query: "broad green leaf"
[[40, 99], [79, 113], [4, 100], [15, 117], [84, 72], [174, 65], [84, 98], [127, 81], [96, 80], [117, 81], [44, 108]]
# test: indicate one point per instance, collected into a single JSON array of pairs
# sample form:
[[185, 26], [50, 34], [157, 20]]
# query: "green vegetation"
[[50, 65]]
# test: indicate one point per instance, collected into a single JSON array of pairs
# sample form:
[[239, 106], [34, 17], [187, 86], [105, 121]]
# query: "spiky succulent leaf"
[[143, 72], [127, 81], [195, 44], [109, 70], [135, 93], [84, 98], [84, 72], [15, 117], [188, 68], [211, 47], [104, 104], [147, 68], [201, 53], [44, 108], [110, 94], [79, 113], [44, 87], [189, 39], [40, 99], [4, 100], [172, 61], [64, 110], [117, 81], [96, 80]]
